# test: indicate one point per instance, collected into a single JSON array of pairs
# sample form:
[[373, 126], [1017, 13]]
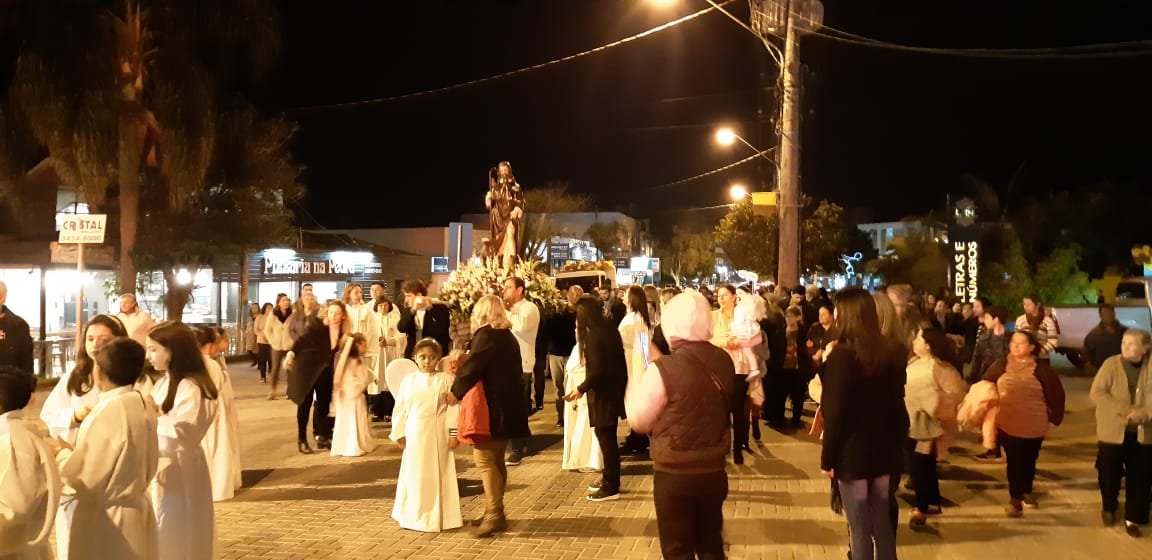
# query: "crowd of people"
[[133, 456]]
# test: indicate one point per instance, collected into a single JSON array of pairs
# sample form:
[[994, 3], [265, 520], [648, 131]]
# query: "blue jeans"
[[866, 507]]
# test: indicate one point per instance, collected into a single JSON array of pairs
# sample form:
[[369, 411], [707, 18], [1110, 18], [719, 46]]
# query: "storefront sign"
[[966, 270], [83, 228], [339, 267], [560, 252]]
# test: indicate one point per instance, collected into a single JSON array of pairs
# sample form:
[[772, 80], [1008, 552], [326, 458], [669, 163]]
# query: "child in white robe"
[[581, 448], [29, 481], [351, 436], [109, 470], [221, 442], [427, 496], [182, 489]]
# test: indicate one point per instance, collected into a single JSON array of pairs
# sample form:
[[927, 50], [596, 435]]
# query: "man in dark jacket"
[[1104, 340], [683, 400], [16, 348], [605, 380], [427, 319]]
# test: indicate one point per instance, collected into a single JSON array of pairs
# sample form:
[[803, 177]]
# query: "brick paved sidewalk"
[[297, 506]]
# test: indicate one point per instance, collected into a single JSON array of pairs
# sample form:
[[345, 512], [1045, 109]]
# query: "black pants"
[[382, 404], [689, 514], [263, 359], [739, 416], [322, 424], [607, 440], [922, 468], [785, 385], [1133, 461], [1022, 454], [540, 379], [521, 444]]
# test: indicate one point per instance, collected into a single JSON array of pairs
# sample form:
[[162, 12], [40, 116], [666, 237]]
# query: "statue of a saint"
[[505, 203]]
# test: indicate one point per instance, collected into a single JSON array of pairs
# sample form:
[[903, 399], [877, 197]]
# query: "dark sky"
[[888, 129]]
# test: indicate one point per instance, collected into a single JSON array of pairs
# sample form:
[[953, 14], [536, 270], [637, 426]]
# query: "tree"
[[1060, 280], [133, 92], [748, 239], [606, 237], [826, 236], [538, 227], [1005, 277], [249, 183], [690, 254], [918, 260]]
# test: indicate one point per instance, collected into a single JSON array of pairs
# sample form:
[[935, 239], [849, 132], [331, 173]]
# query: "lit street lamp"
[[738, 192]]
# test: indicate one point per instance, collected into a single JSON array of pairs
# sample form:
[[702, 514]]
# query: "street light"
[[725, 136], [737, 192]]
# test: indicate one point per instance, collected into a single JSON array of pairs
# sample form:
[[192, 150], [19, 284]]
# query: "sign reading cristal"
[[83, 228], [966, 269]]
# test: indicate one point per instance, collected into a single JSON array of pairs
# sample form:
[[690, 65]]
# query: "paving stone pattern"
[[297, 506]]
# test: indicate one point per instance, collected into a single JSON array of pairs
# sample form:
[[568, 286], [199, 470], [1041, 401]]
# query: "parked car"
[[1133, 305]]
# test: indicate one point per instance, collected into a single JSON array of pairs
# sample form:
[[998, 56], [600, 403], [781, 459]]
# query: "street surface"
[[316, 506]]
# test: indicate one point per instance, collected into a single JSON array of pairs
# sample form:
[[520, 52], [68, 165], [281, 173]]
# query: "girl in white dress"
[[73, 397], [221, 443], [427, 498], [351, 436], [182, 490], [581, 448]]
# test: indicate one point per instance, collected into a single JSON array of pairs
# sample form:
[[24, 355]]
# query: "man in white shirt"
[[525, 318], [135, 321]]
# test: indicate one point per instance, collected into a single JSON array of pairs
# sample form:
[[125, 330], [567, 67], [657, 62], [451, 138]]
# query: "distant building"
[[882, 233]]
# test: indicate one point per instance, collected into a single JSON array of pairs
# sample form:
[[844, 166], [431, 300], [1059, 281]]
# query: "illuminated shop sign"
[[966, 270], [339, 263]]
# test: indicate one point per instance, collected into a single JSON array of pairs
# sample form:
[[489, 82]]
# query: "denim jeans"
[[867, 509]]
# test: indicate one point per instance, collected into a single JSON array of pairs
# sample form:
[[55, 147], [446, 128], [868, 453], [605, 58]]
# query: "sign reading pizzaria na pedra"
[[83, 228]]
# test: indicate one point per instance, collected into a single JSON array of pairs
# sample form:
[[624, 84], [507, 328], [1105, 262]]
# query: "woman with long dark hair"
[[932, 394], [312, 370], [635, 332], [279, 339], [604, 382], [182, 490], [865, 423]]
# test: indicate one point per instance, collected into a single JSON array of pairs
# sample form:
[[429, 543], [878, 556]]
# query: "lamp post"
[[737, 192]]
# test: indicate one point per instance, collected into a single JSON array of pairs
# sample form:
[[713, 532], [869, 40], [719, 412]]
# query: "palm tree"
[[109, 89]]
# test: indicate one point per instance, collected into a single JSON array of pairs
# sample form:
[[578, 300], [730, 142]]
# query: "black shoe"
[[514, 458], [602, 495], [1108, 518], [989, 457], [323, 443], [303, 447], [1132, 529], [596, 485], [559, 423], [797, 423], [738, 457]]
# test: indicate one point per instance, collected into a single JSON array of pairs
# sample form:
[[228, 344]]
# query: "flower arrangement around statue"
[[467, 284], [584, 266]]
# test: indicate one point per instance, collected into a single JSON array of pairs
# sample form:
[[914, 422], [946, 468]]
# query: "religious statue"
[[505, 203]]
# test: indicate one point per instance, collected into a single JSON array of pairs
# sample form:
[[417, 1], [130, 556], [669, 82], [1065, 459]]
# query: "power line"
[[712, 172], [518, 71], [1093, 50]]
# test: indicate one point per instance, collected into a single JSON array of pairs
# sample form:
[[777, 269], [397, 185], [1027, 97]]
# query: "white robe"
[[581, 448], [351, 436], [182, 489], [221, 442], [386, 325], [58, 411], [427, 495], [636, 336], [109, 473], [29, 486]]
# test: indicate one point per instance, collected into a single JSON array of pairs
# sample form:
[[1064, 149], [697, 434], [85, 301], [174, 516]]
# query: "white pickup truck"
[[1133, 305]]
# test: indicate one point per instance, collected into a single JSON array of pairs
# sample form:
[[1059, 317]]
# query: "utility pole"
[[791, 17], [789, 180]]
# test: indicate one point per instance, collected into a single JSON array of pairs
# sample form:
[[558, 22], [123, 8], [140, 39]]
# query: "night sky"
[[890, 130]]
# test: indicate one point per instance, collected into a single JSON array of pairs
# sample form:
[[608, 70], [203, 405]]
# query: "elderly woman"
[[1124, 430], [1031, 399], [494, 358]]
